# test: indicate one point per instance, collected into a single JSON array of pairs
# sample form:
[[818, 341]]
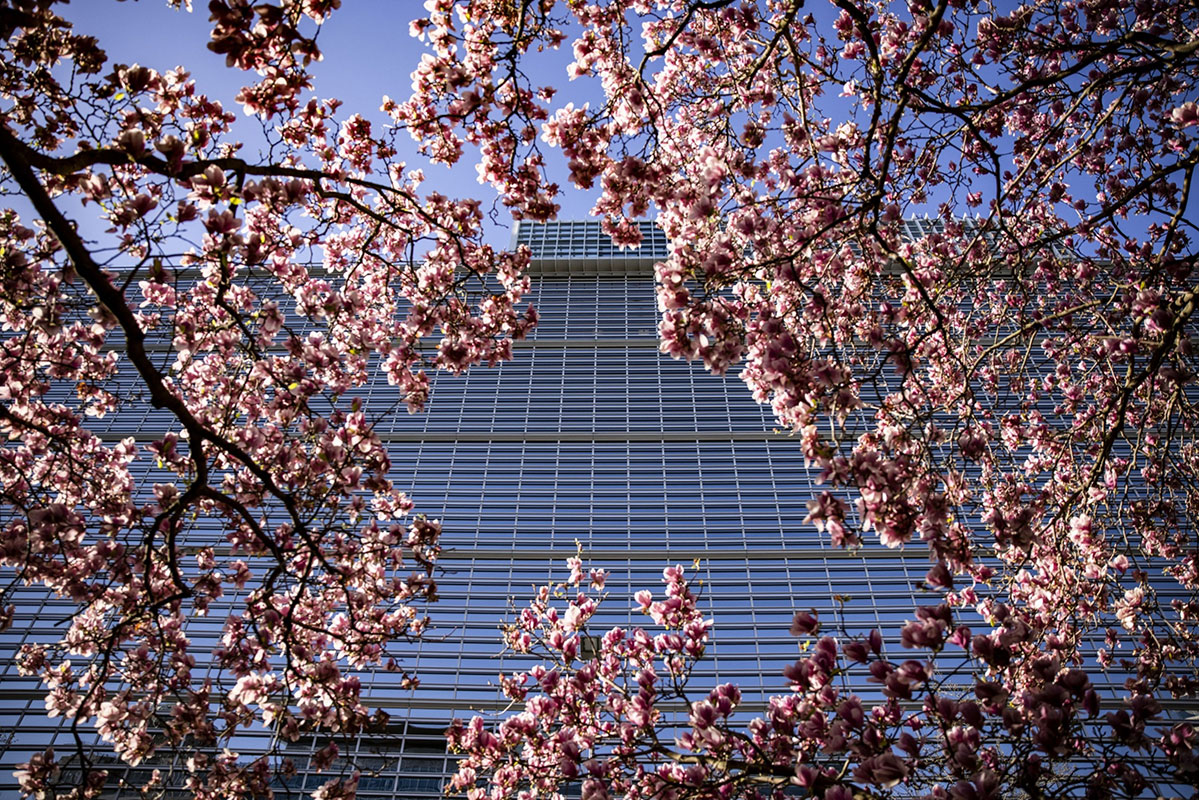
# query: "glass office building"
[[589, 438]]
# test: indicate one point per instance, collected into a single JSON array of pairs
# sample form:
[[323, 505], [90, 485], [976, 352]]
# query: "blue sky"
[[367, 54]]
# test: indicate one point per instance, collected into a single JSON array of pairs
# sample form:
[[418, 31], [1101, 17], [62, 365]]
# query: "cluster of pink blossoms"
[[1012, 392], [248, 304]]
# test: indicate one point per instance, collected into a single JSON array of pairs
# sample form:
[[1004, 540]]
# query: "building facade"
[[589, 439]]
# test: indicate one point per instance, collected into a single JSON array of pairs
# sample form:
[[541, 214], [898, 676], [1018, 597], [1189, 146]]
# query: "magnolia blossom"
[[254, 300], [1009, 395]]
